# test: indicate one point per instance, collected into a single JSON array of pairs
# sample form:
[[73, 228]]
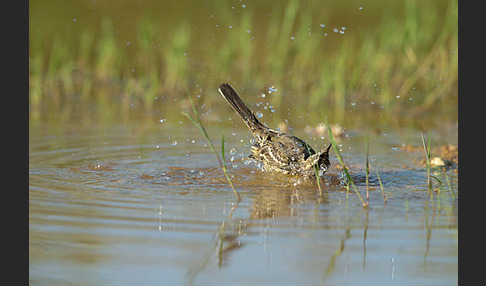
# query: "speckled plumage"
[[278, 151]]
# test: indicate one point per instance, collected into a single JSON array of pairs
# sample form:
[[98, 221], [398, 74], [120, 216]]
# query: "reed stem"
[[341, 161], [197, 122]]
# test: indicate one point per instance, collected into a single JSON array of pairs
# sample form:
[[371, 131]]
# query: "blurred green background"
[[356, 62]]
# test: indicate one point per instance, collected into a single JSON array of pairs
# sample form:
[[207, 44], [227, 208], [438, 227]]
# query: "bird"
[[279, 151]]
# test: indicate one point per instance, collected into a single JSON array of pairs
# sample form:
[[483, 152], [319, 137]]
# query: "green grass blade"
[[197, 122], [367, 169], [382, 188], [338, 155], [427, 160]]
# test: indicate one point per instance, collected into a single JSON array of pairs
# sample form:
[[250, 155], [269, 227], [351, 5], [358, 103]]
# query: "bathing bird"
[[279, 151]]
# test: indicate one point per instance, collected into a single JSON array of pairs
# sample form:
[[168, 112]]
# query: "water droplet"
[[201, 173], [232, 151], [292, 38], [243, 5], [162, 120], [259, 114], [335, 30], [271, 89], [360, 8], [341, 32], [322, 25], [174, 143], [353, 103], [74, 20]]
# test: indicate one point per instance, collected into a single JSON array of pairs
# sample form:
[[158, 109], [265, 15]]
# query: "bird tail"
[[245, 113]]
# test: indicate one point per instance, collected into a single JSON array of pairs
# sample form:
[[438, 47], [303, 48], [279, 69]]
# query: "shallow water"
[[127, 203]]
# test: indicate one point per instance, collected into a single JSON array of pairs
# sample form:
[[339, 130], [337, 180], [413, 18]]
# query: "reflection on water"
[[122, 205]]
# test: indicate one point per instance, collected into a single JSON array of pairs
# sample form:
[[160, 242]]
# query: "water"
[[120, 203], [120, 198]]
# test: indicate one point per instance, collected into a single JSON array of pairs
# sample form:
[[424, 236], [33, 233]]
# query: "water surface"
[[146, 203]]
